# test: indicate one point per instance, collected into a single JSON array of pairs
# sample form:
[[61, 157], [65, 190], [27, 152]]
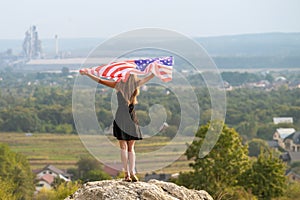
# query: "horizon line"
[[199, 36]]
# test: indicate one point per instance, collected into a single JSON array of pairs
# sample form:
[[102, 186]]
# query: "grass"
[[64, 151], [42, 149]]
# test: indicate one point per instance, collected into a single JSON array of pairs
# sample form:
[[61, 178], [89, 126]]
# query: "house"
[[290, 157], [44, 181], [261, 84], [292, 142], [293, 157], [55, 172], [282, 120], [227, 86], [282, 133], [46, 176]]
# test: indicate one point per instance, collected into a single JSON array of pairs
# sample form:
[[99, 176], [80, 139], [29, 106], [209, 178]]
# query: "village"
[[286, 141]]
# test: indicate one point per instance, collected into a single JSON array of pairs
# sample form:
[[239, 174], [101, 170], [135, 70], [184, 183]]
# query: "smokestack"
[[56, 46]]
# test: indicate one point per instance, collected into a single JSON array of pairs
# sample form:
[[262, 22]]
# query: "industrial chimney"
[[56, 46]]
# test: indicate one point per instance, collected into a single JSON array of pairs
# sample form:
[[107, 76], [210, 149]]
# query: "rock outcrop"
[[151, 190]]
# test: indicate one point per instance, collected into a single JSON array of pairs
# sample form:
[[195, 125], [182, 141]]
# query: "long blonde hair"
[[129, 89], [133, 98]]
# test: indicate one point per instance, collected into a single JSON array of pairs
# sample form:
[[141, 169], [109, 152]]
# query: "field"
[[63, 151]]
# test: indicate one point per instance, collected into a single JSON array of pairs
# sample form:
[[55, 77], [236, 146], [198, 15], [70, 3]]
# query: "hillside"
[[264, 50], [267, 50]]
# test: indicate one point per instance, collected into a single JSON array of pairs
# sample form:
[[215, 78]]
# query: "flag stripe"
[[160, 67]]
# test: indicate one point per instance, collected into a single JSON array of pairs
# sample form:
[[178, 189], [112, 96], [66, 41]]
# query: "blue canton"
[[143, 63]]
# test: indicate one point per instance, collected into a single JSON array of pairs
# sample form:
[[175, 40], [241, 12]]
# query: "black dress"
[[125, 126]]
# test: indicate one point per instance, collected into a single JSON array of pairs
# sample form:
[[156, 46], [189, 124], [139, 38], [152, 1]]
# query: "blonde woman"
[[125, 125]]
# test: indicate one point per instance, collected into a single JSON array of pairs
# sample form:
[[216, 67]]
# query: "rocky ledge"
[[151, 190]]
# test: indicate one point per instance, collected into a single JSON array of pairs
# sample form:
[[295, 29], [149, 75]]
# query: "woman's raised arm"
[[145, 80], [111, 84]]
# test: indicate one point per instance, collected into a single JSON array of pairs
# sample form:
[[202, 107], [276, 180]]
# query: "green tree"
[[292, 192], [236, 193], [105, 117], [221, 168], [6, 190], [266, 131], [255, 146], [86, 164], [75, 173], [64, 128], [62, 191], [269, 77], [96, 175], [169, 131], [19, 119], [143, 116], [66, 189], [266, 177], [51, 114], [15, 169]]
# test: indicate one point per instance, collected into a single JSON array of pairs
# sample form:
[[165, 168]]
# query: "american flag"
[[160, 67]]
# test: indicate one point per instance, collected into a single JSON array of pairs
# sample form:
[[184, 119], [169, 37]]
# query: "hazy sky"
[[98, 18]]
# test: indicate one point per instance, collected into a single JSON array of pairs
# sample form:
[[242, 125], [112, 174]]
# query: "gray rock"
[[121, 190]]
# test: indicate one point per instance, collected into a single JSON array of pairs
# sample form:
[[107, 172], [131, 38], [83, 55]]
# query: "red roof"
[[47, 178]]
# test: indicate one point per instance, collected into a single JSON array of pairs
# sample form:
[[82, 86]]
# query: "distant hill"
[[265, 50], [262, 45]]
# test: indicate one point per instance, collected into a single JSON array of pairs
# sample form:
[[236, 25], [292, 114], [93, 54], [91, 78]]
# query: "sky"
[[98, 18]]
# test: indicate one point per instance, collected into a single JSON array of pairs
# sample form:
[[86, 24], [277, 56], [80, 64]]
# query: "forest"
[[42, 103]]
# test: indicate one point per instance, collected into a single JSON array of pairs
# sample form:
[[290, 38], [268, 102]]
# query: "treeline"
[[49, 109], [251, 112], [45, 109], [43, 103]]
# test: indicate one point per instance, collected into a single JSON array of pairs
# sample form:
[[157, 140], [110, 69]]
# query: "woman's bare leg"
[[124, 156], [131, 158]]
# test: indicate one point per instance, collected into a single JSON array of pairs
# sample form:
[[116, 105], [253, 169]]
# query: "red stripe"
[[119, 69], [163, 73], [124, 68], [167, 79], [97, 69], [109, 67]]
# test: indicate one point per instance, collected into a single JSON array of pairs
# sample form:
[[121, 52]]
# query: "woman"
[[125, 127]]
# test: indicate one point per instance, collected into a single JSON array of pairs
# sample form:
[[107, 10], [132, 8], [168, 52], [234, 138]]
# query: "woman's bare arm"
[[111, 84], [146, 79]]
